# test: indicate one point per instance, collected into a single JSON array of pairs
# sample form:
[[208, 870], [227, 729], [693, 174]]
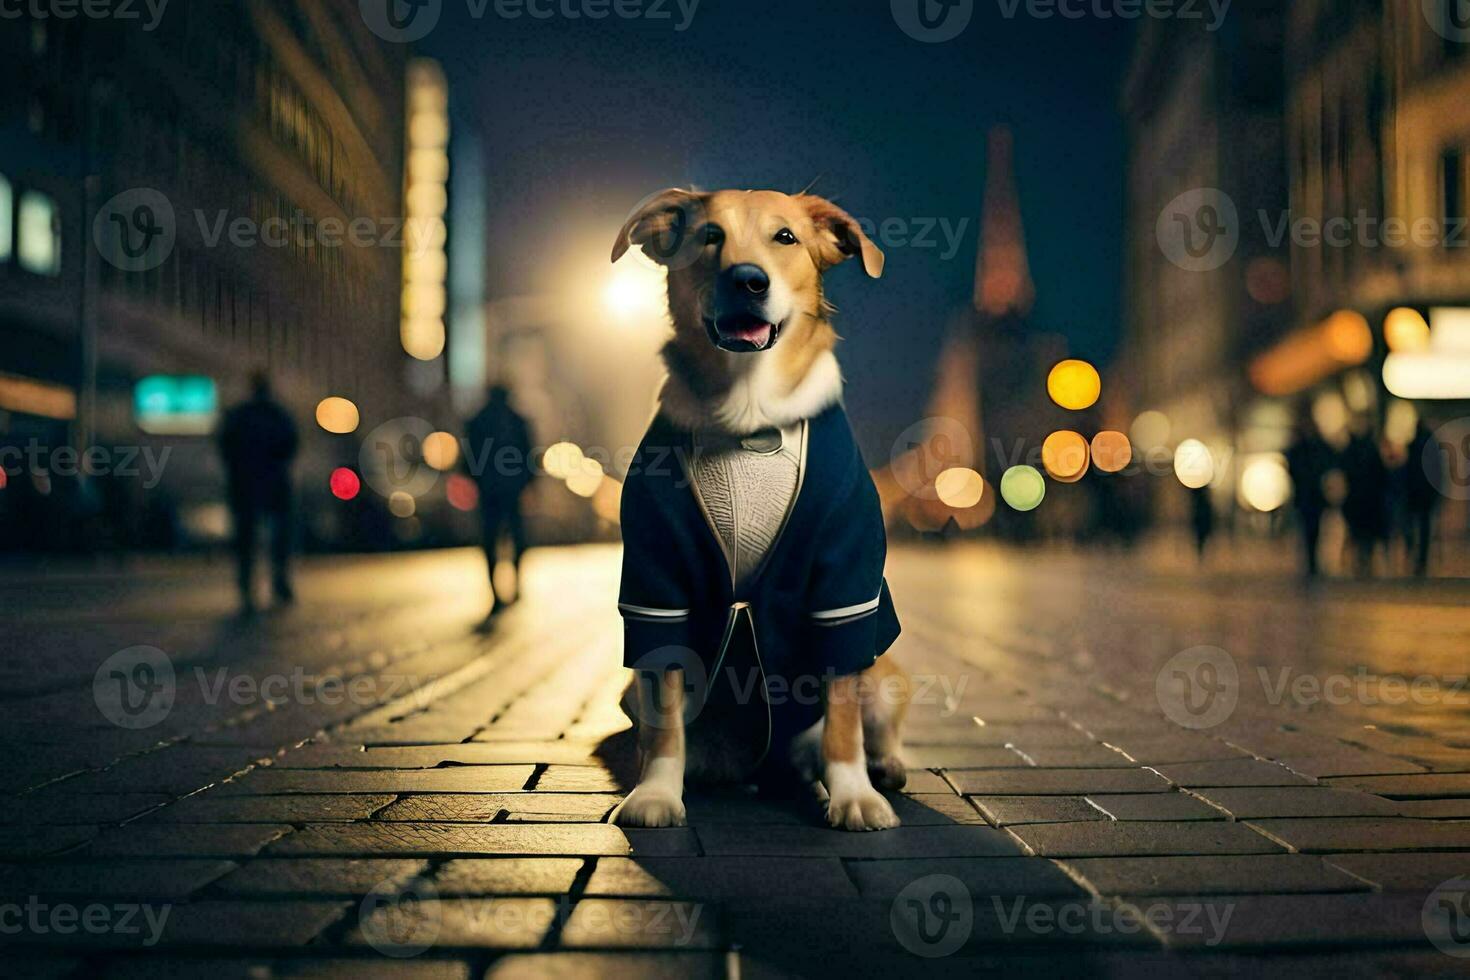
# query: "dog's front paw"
[[863, 811], [646, 807]]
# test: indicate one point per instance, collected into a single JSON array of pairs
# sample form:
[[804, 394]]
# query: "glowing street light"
[[1074, 385]]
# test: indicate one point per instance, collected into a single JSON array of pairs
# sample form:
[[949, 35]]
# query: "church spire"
[[1002, 274]]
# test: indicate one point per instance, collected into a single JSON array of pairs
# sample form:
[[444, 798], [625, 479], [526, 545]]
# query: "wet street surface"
[[1112, 770]]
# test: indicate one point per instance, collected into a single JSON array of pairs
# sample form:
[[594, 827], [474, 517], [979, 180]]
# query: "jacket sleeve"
[[847, 592], [653, 598]]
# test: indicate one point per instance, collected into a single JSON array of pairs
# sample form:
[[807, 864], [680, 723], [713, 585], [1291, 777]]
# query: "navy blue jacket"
[[818, 607]]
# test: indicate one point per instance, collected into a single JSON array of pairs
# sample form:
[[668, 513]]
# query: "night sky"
[[580, 119]]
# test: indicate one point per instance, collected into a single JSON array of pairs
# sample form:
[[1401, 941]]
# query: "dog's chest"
[[747, 486]]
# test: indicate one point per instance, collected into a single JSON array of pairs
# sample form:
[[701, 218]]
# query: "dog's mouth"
[[742, 333]]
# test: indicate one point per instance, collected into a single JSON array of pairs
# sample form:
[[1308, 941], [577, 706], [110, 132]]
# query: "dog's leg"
[[658, 799], [853, 803], [882, 719]]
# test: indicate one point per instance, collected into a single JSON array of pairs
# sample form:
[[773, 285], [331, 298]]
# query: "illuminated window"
[[7, 213], [38, 244]]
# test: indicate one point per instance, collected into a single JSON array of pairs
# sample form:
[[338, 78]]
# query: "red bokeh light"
[[345, 483], [461, 492]]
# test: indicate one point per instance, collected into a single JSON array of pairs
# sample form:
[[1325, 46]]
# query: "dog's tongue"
[[758, 334]]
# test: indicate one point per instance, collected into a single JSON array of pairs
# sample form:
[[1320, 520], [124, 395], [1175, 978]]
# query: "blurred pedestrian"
[[1202, 517], [1366, 506], [1422, 476], [1309, 459], [500, 448], [258, 441]]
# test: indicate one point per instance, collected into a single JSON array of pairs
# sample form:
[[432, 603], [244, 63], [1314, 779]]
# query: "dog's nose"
[[750, 278]]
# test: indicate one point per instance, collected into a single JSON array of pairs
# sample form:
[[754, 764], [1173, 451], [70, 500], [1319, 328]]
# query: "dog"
[[753, 600]]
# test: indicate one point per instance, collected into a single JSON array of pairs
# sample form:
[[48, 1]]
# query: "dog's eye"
[[713, 235], [785, 237]]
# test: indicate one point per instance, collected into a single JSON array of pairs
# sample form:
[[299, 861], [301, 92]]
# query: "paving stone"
[[39, 809], [1418, 872], [1153, 751], [155, 965], [962, 756], [954, 841], [173, 771], [577, 779], [1328, 834], [1236, 772], [719, 878], [1094, 756], [642, 924], [493, 923], [1154, 806], [1238, 874], [1363, 764], [1003, 811], [923, 781], [256, 925], [1285, 921], [1025, 737], [508, 876], [935, 809], [318, 877], [185, 840], [983, 876], [290, 808], [456, 779], [514, 807], [22, 843], [748, 810], [1055, 782], [330, 755], [1107, 837], [662, 965], [663, 841], [1430, 785], [154, 878], [434, 840], [1298, 801], [1435, 809]]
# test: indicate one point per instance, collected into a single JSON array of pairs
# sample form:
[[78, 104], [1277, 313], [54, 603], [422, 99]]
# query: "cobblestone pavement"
[[1112, 772]]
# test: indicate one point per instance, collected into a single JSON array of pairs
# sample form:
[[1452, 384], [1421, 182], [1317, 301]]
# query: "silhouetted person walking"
[[1366, 506], [258, 441], [1309, 459], [1202, 517], [1423, 474], [500, 443]]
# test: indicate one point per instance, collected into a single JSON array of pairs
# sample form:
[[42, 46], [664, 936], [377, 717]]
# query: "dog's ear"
[[660, 224], [841, 237]]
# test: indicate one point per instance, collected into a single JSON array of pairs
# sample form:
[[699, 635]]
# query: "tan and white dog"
[[751, 352]]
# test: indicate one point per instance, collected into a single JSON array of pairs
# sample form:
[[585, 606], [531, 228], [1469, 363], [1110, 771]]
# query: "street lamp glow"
[[1193, 464], [1111, 451], [337, 415], [634, 290], [586, 478], [1405, 330], [441, 450], [401, 504], [1065, 456], [561, 460], [1074, 385], [959, 487], [1023, 487], [1265, 484], [1151, 430]]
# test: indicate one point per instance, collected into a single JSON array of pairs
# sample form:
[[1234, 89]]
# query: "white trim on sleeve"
[[844, 612]]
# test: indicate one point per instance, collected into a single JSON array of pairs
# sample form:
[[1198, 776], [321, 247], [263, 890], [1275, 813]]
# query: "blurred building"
[[1207, 283], [222, 193]]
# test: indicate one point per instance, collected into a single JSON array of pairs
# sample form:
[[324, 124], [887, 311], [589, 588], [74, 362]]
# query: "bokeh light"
[[1151, 430], [1065, 456], [561, 460], [337, 415], [1074, 384], [401, 504], [1405, 330], [959, 487], [587, 477], [345, 484], [1193, 464], [441, 450], [461, 492], [1111, 451], [1265, 484], [1023, 487]]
